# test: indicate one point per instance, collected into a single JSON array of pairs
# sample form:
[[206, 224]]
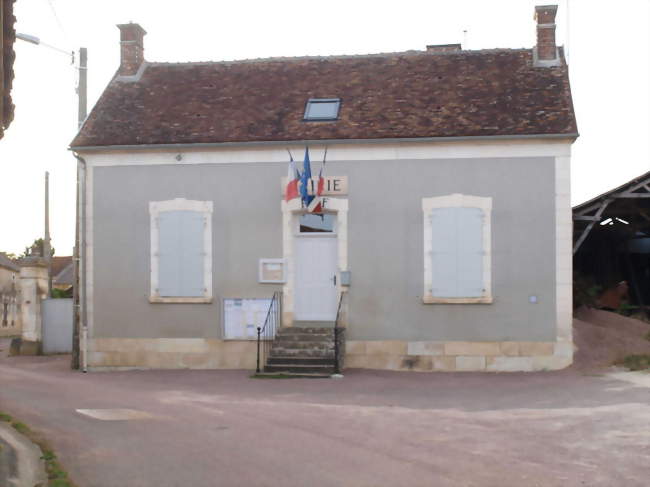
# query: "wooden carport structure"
[[611, 235]]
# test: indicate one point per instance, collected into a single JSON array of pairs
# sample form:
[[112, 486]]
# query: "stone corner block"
[[533, 349], [426, 348], [470, 363], [387, 347], [564, 349], [472, 348], [550, 363], [509, 364], [509, 349], [444, 364]]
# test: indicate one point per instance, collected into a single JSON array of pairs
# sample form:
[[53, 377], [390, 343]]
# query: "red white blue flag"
[[291, 191], [316, 205]]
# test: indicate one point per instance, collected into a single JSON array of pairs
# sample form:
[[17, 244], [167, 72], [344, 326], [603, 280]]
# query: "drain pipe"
[[81, 250]]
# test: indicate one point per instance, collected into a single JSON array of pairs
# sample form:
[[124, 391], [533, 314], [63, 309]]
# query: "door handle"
[[334, 279]]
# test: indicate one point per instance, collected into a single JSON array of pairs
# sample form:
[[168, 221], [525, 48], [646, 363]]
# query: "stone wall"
[[458, 356], [171, 353]]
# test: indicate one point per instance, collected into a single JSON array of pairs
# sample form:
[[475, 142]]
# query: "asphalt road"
[[221, 428]]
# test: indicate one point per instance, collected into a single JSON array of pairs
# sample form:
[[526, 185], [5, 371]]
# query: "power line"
[[58, 21]]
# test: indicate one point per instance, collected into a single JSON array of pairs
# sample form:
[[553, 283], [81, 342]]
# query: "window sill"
[[432, 300], [179, 300]]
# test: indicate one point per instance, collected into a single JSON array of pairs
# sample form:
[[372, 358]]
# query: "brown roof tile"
[[59, 263], [400, 95], [7, 263]]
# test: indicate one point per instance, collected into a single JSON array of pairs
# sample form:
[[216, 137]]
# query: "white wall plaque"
[[271, 271]]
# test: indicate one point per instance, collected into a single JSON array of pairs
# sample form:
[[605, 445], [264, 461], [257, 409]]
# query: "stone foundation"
[[458, 356], [423, 356], [171, 353]]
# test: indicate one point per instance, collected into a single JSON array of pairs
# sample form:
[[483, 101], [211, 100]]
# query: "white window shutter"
[[169, 250], [470, 253], [192, 254], [444, 252], [457, 252]]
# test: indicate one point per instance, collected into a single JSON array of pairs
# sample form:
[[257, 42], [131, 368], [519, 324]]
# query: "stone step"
[[294, 375], [313, 324], [300, 369], [284, 360], [309, 330], [303, 343], [301, 352], [279, 351], [304, 337]]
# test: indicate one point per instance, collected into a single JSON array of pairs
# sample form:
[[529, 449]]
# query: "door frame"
[[290, 213]]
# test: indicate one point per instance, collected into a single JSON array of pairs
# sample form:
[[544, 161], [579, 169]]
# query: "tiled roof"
[[65, 276], [411, 94], [7, 57], [7, 263], [59, 263]]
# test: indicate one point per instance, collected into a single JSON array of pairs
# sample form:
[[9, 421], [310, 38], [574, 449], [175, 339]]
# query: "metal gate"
[[57, 326]]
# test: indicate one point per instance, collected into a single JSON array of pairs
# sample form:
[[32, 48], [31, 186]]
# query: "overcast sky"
[[609, 59]]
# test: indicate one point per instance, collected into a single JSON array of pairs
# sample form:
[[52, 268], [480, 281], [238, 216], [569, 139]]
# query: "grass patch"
[[20, 427], [637, 362], [647, 337], [56, 474]]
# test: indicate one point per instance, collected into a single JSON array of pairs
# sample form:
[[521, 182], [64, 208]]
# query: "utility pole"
[[76, 295], [82, 88], [78, 250], [47, 244]]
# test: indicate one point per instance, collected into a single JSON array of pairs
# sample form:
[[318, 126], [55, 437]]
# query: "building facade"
[[443, 240]]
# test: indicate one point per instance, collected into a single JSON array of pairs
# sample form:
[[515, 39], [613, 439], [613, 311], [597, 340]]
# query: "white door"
[[316, 288]]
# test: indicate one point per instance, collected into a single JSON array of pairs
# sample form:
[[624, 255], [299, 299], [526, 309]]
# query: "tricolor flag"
[[291, 191], [316, 205], [305, 180]]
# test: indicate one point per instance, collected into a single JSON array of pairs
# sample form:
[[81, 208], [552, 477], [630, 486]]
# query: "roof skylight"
[[322, 109]]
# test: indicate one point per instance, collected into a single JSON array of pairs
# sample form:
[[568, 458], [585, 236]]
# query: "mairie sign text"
[[334, 185]]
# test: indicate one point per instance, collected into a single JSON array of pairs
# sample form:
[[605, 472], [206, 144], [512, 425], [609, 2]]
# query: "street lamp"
[[35, 40]]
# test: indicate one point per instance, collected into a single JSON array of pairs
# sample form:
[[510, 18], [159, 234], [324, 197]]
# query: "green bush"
[[637, 362]]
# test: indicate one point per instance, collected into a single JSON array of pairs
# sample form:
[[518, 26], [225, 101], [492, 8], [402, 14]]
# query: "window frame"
[[457, 200], [180, 204], [306, 118], [317, 234]]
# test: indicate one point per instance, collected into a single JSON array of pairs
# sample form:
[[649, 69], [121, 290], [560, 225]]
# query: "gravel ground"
[[221, 428]]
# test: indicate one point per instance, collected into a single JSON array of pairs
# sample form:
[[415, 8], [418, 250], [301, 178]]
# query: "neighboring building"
[[62, 273], [9, 272], [7, 56], [9, 296], [612, 242], [447, 222]]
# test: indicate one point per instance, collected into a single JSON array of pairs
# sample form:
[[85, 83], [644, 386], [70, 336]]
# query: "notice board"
[[241, 317]]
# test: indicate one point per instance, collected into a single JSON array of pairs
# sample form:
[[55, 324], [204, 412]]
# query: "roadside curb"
[[27, 468]]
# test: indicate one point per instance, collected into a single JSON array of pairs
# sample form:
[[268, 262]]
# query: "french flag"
[[316, 205], [291, 191]]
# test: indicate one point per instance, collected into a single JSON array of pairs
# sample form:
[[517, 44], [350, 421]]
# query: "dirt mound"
[[603, 338]]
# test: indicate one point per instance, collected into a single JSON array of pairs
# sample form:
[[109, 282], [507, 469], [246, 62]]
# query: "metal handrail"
[[268, 330], [337, 364]]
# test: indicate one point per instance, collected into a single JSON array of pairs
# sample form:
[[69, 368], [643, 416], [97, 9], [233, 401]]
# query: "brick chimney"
[[131, 48], [546, 52]]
